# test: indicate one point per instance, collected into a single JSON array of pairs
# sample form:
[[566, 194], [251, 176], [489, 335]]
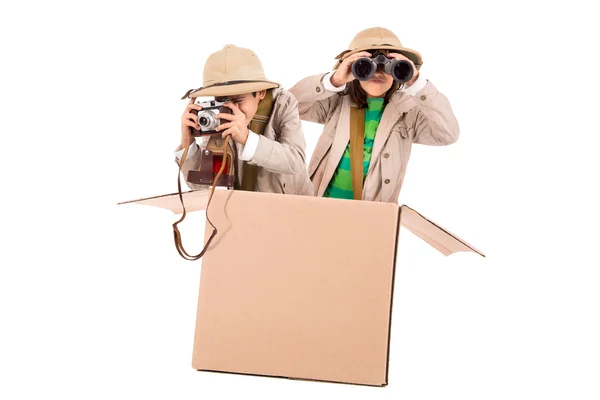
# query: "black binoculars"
[[364, 68]]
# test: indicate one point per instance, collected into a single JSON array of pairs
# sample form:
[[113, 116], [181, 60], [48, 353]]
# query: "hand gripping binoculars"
[[364, 68]]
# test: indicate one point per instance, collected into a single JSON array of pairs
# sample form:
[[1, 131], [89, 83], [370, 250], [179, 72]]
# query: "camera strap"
[[250, 173], [176, 233], [357, 149], [257, 125]]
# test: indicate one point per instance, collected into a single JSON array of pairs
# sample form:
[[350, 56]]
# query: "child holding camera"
[[373, 106], [273, 161]]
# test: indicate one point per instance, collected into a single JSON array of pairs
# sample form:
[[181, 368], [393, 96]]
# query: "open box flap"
[[438, 237], [194, 200]]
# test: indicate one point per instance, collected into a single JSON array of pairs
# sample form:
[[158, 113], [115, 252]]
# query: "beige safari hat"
[[378, 38], [232, 71]]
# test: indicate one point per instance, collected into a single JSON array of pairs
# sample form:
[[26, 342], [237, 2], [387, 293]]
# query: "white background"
[[96, 303]]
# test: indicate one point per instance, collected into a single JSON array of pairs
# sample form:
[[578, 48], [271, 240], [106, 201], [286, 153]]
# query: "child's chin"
[[376, 90], [376, 93]]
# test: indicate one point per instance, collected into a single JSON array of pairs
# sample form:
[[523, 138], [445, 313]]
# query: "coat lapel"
[[340, 142]]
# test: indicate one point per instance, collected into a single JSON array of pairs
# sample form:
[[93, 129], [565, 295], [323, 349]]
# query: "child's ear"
[[261, 95]]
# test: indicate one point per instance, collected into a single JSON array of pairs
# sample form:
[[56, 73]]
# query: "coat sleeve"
[[287, 154], [432, 120], [315, 104]]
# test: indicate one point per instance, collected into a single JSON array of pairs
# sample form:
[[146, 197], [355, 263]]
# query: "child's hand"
[[189, 120], [403, 57], [238, 127], [344, 74]]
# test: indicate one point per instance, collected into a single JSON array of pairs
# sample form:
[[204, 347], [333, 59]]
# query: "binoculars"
[[364, 68]]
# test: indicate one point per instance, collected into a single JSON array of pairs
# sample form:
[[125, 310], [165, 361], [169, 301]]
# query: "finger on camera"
[[224, 126], [233, 107], [193, 107], [228, 117], [192, 103], [231, 104], [191, 124], [190, 116]]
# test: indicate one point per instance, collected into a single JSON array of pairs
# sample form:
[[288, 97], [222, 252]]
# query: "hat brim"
[[233, 89], [413, 55]]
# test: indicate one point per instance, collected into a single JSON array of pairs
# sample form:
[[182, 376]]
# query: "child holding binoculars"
[[373, 106]]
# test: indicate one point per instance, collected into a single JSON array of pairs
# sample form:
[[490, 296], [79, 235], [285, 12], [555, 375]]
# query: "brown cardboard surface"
[[297, 287], [300, 287]]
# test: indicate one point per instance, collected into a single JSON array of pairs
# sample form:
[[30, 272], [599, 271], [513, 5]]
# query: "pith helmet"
[[378, 38], [232, 71]]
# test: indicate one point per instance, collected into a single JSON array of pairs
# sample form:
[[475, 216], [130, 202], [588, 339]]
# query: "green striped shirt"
[[340, 185]]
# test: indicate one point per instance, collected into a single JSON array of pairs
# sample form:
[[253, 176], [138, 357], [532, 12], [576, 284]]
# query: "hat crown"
[[374, 37], [378, 38], [232, 63]]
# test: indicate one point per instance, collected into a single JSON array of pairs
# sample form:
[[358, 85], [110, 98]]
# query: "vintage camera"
[[207, 117], [364, 68]]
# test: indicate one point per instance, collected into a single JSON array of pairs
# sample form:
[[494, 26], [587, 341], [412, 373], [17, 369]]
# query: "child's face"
[[381, 81], [378, 85], [248, 103]]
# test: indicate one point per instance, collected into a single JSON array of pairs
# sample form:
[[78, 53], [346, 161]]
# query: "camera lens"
[[207, 120], [363, 69]]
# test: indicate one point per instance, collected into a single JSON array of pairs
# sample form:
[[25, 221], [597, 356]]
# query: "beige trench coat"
[[426, 118], [280, 153]]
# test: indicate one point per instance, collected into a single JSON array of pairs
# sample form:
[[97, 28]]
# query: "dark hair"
[[358, 95]]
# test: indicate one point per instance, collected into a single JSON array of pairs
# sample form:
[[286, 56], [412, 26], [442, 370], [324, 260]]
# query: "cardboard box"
[[300, 287]]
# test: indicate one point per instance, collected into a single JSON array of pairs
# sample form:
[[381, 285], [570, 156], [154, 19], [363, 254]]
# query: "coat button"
[[318, 89], [387, 181], [424, 97], [386, 155]]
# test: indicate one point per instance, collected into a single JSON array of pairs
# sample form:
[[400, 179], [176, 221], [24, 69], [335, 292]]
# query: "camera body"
[[364, 68], [207, 117]]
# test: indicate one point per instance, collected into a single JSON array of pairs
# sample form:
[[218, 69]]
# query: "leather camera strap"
[[176, 233]]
